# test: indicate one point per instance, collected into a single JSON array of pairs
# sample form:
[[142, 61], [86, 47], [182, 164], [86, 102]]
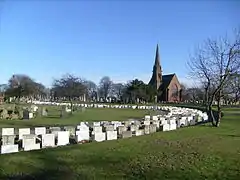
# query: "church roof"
[[166, 80]]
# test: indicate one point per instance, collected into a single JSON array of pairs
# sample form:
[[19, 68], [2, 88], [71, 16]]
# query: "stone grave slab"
[[71, 129], [48, 140], [63, 138], [7, 131], [40, 130], [126, 134], [109, 128], [146, 129], [111, 135], [99, 136], [139, 132], [30, 147], [152, 128], [28, 140], [8, 139], [172, 127], [82, 135], [23, 131], [5, 149]]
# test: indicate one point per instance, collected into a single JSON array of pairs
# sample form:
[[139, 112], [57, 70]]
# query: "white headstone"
[[7, 131], [82, 135], [99, 136], [30, 147], [23, 131], [28, 140], [5, 149], [48, 140], [111, 135], [40, 130], [63, 138], [139, 132]]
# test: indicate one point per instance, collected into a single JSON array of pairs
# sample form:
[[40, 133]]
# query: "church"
[[167, 86]]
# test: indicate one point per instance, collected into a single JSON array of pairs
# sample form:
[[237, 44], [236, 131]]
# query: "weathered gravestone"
[[146, 129], [126, 134], [139, 132], [82, 135], [26, 114]]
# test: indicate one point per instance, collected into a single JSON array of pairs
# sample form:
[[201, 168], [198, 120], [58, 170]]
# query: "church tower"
[[156, 79]]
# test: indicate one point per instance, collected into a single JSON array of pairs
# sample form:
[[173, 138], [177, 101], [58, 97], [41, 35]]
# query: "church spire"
[[157, 58]]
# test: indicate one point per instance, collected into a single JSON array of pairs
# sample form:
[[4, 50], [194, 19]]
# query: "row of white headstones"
[[97, 131]]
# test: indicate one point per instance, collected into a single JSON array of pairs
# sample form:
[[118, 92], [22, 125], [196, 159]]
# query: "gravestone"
[[99, 136], [139, 132], [48, 140], [7, 131], [152, 128], [97, 129], [109, 128], [63, 138], [28, 140], [5, 149], [111, 135], [23, 131], [146, 129], [126, 134], [44, 112], [8, 139], [120, 129], [40, 130], [26, 114], [30, 147], [82, 135]]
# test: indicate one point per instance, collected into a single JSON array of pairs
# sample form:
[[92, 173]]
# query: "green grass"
[[199, 152], [90, 114]]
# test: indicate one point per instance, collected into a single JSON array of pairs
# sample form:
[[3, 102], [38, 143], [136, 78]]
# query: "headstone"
[[139, 132], [8, 139], [146, 129], [28, 140], [5, 149], [44, 112], [126, 134], [82, 135], [40, 130], [99, 136], [26, 114], [30, 147], [146, 122], [152, 128], [165, 127], [63, 138], [48, 140], [97, 129], [120, 129], [7, 131], [23, 131], [172, 127], [111, 135], [109, 128]]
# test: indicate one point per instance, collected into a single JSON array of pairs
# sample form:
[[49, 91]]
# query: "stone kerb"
[[45, 137]]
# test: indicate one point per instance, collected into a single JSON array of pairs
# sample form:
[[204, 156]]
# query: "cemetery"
[[25, 139]]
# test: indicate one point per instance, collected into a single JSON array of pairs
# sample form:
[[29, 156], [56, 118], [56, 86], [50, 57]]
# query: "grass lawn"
[[200, 152], [90, 114]]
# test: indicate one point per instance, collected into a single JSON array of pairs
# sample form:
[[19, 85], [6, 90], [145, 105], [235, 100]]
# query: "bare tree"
[[105, 86], [213, 64], [69, 87], [91, 88], [118, 90]]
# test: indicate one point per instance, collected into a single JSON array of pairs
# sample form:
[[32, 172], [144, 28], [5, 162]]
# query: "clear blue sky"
[[46, 39]]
